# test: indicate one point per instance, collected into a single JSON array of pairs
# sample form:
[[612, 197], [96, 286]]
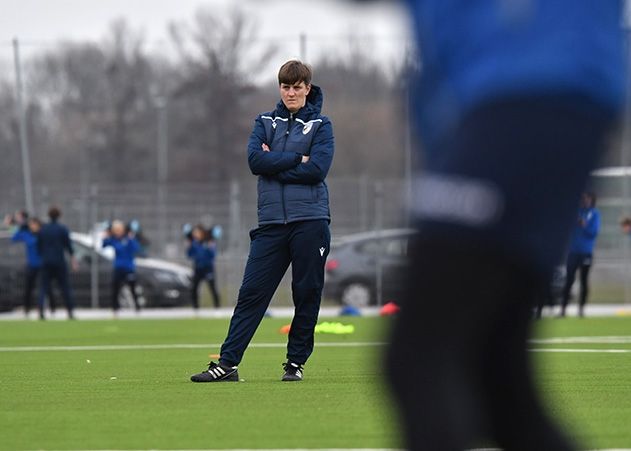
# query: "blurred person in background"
[[53, 243], [19, 220], [125, 246], [26, 231], [515, 102], [291, 151], [202, 251], [581, 251]]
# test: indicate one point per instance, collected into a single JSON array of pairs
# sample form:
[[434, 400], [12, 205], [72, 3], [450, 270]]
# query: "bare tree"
[[98, 104], [218, 59], [367, 110]]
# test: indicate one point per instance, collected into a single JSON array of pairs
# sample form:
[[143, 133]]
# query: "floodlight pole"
[[163, 165], [24, 147], [303, 47]]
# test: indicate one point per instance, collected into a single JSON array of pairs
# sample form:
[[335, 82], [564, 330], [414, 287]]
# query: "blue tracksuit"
[[33, 264], [203, 256], [33, 259], [585, 232], [579, 257], [290, 191], [125, 250], [53, 242], [294, 215], [514, 103], [488, 65]]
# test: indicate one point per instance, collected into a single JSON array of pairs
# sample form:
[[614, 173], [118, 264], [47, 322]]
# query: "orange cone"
[[389, 309]]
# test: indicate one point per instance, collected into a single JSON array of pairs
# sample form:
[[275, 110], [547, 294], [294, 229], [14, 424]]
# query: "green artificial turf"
[[57, 400], [590, 393]]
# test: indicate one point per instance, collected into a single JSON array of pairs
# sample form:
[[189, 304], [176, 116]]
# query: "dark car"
[[160, 283], [365, 268]]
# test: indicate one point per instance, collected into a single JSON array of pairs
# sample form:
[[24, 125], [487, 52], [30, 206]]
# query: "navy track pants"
[[273, 247], [58, 272]]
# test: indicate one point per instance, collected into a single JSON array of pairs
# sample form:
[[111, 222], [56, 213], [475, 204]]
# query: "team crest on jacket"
[[307, 128]]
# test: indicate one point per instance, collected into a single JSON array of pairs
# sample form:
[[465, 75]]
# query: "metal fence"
[[357, 204], [611, 272]]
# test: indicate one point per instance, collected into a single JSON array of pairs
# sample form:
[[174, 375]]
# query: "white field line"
[[125, 347], [349, 344], [582, 351], [583, 340]]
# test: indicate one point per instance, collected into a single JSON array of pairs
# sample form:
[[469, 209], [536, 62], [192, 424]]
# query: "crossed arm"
[[290, 167], [267, 163]]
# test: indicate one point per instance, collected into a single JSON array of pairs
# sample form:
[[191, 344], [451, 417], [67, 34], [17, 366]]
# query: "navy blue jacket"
[[584, 236], [53, 240], [288, 190], [203, 255], [125, 250], [33, 260]]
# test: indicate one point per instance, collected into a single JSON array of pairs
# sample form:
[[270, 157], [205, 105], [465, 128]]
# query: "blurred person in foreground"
[[26, 230], [515, 102], [290, 150], [202, 250], [125, 246], [53, 243], [581, 252]]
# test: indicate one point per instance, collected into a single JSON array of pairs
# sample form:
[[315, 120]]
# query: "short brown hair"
[[54, 213], [294, 71]]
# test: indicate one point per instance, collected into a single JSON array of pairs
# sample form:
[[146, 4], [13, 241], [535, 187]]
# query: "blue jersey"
[[585, 232], [202, 254], [477, 51], [33, 259], [125, 250]]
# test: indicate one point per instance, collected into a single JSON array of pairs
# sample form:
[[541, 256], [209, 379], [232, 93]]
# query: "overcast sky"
[[326, 23]]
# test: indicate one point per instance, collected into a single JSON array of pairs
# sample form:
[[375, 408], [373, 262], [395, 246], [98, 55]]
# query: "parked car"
[[357, 262], [352, 269], [160, 283]]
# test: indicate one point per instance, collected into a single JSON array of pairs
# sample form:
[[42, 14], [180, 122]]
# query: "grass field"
[[124, 385]]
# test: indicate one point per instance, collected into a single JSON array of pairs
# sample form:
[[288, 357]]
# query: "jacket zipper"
[[282, 185]]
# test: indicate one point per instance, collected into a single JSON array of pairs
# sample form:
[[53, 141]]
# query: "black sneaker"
[[293, 372], [217, 373]]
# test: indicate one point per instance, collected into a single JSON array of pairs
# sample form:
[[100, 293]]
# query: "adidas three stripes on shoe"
[[217, 372]]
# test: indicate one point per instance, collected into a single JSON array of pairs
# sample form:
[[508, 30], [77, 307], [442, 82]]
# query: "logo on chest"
[[307, 128]]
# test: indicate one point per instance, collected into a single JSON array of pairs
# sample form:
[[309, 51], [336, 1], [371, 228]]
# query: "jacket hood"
[[315, 99]]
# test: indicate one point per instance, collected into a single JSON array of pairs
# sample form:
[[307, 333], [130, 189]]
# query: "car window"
[[397, 247], [393, 247], [370, 247]]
